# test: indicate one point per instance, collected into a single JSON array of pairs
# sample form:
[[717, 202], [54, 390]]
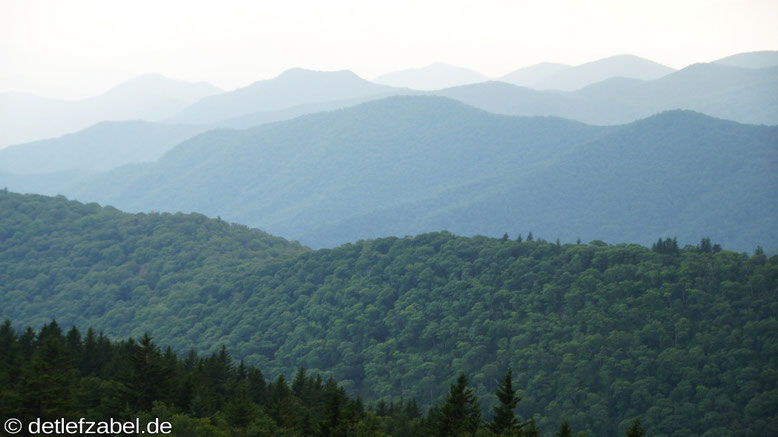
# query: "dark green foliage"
[[505, 420], [531, 430], [460, 415], [601, 333], [47, 384], [666, 246], [564, 430], [635, 430], [140, 381]]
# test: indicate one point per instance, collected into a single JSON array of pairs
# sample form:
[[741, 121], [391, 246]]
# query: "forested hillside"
[[105, 260], [685, 338]]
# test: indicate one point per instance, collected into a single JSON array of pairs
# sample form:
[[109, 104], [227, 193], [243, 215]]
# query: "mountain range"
[[614, 100], [733, 93], [567, 78], [406, 165], [26, 117]]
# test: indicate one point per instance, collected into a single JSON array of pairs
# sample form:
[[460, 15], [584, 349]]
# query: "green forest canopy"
[[686, 339]]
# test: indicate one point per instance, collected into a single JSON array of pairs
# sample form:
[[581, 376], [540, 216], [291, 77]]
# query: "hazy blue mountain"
[[262, 117], [504, 98], [762, 59], [50, 184], [406, 165], [533, 74], [743, 95], [292, 88], [577, 77], [26, 117], [104, 146], [432, 77]]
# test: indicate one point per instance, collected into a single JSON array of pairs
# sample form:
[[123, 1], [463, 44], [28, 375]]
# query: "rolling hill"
[[26, 117], [406, 165], [101, 147]]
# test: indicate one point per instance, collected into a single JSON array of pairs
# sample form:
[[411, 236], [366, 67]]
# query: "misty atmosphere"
[[430, 219]]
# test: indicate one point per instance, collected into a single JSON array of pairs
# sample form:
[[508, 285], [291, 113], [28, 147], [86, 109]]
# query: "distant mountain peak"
[[437, 75], [293, 87], [297, 73]]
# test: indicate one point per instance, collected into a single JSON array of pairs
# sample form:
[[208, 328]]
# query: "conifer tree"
[[565, 430], [149, 376], [504, 420], [635, 430], [460, 414], [48, 382]]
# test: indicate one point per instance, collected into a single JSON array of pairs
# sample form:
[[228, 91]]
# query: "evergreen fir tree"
[[460, 414], [48, 381], [564, 430], [635, 430], [504, 420]]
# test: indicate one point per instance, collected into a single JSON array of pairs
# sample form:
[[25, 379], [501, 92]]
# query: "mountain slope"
[[432, 77], [406, 165], [101, 147], [577, 77], [26, 117], [685, 340], [762, 59], [295, 176], [533, 74], [292, 88]]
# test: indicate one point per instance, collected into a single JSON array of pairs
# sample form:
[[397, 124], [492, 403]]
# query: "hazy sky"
[[77, 48]]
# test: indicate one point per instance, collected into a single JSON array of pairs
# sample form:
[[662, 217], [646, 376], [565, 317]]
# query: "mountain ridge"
[[434, 163], [293, 87], [27, 117]]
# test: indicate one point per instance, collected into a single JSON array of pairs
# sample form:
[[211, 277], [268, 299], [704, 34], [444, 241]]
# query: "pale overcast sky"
[[77, 48]]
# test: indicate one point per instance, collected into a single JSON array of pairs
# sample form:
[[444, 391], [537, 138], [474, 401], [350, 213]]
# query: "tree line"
[[50, 375]]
